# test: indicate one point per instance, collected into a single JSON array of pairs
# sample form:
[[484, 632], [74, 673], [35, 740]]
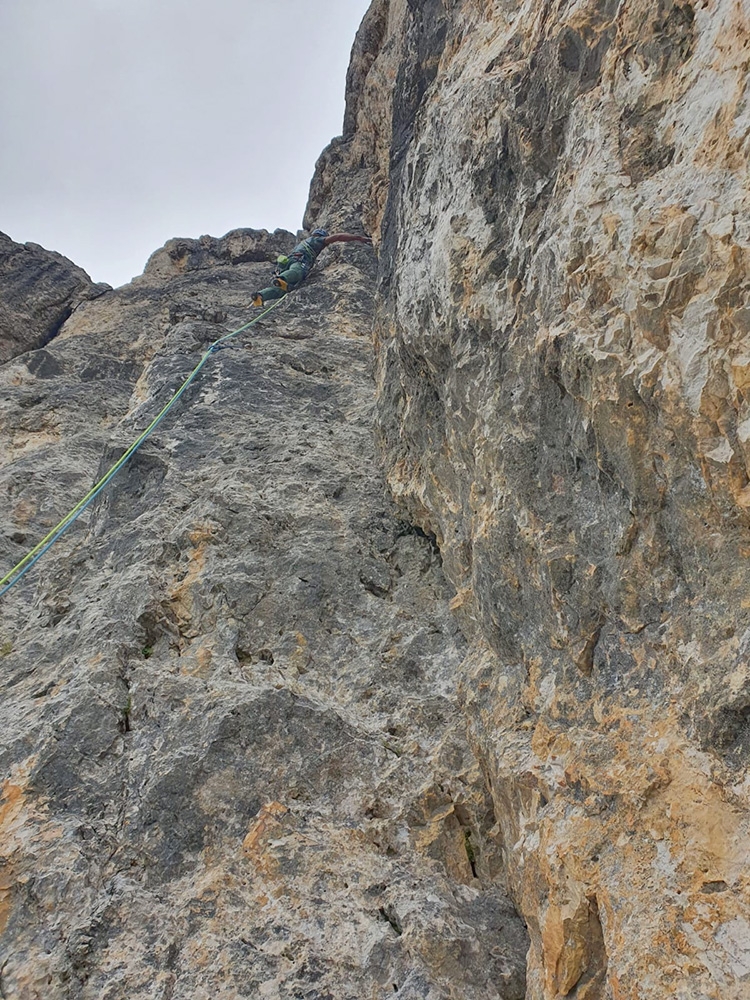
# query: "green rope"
[[21, 568]]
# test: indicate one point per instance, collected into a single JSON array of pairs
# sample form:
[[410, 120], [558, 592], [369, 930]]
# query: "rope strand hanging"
[[21, 568]]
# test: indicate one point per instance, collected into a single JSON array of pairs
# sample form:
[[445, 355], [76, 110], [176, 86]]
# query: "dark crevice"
[[470, 853], [56, 327], [124, 721], [405, 528], [729, 735], [388, 914]]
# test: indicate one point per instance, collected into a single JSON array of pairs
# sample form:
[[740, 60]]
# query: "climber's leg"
[[291, 277], [267, 294]]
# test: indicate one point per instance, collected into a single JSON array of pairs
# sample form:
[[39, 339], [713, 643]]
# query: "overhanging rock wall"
[[562, 356]]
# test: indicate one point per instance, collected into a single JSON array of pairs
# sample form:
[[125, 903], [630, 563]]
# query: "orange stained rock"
[[197, 559], [24, 511], [463, 596], [708, 834], [667, 796], [11, 802], [203, 656], [11, 806], [564, 945], [266, 822], [7, 881]]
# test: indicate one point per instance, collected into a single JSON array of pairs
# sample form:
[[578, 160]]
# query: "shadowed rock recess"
[[464, 715]]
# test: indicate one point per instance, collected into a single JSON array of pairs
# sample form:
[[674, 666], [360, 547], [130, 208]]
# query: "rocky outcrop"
[[562, 343], [40, 290], [278, 733], [235, 760]]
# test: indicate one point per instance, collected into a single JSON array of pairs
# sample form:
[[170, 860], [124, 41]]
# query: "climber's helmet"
[[320, 232]]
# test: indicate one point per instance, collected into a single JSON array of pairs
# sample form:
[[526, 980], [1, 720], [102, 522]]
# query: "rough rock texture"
[[40, 290], [238, 698], [563, 354], [235, 762]]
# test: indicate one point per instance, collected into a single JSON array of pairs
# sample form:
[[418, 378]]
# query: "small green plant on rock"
[[6, 647]]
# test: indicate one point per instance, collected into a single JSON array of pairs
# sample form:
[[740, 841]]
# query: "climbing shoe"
[[257, 299], [280, 283]]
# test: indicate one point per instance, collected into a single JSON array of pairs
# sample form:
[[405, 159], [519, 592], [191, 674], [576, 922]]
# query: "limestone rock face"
[[563, 343], [280, 722], [234, 760], [40, 289]]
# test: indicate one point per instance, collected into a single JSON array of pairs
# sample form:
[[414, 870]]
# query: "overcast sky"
[[124, 123]]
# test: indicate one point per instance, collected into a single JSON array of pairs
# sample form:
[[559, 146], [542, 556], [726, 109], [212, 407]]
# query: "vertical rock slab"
[[562, 343], [235, 761]]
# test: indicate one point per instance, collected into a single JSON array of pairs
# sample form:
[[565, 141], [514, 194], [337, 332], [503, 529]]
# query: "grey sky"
[[126, 122]]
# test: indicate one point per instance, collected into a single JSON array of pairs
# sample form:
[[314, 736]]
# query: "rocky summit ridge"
[[409, 657]]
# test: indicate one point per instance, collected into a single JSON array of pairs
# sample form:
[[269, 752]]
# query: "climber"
[[292, 270]]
